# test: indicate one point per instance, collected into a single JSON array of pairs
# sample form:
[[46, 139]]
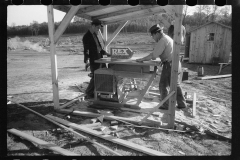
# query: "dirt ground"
[[29, 81]]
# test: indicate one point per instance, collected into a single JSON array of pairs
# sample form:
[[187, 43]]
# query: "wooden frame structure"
[[114, 14]]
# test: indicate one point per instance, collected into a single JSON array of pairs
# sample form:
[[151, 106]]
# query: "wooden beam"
[[122, 142], [124, 11], [93, 8], [150, 123], [65, 22], [105, 36], [51, 32], [156, 107], [194, 104], [146, 13], [214, 77], [116, 32], [66, 9], [175, 63], [69, 129], [42, 143]]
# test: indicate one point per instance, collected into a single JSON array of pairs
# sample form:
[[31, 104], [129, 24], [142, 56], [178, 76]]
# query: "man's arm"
[[146, 58], [86, 49]]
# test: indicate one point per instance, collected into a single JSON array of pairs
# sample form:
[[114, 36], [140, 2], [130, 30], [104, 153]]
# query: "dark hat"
[[96, 22], [155, 28]]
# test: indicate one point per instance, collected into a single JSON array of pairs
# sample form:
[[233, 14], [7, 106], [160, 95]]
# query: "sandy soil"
[[29, 82]]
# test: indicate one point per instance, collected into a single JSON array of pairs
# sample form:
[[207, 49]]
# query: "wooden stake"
[[194, 104]]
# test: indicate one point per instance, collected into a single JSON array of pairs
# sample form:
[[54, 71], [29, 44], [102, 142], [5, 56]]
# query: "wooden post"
[[175, 63], [105, 36], [51, 31]]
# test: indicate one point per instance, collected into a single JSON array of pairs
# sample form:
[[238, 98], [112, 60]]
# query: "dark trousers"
[[90, 89], [164, 85]]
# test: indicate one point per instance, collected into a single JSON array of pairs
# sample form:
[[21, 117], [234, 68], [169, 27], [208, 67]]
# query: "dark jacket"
[[93, 48]]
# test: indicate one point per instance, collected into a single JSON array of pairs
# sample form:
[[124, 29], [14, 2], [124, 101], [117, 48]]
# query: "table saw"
[[108, 81]]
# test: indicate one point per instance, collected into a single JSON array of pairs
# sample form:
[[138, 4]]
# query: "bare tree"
[[200, 10], [185, 12], [34, 26], [214, 12], [208, 10], [13, 24]]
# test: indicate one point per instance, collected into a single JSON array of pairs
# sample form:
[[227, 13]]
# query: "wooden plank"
[[120, 27], [64, 23], [110, 138], [90, 114], [42, 143], [213, 77], [194, 104], [175, 63], [122, 12], [69, 129], [54, 71], [156, 107], [136, 15], [128, 62]]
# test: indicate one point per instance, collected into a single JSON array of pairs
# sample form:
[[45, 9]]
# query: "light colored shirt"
[[163, 48]]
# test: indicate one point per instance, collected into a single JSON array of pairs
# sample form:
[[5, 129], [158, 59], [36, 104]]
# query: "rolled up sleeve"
[[158, 49]]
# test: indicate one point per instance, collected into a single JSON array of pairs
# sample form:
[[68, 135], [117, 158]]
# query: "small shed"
[[210, 43]]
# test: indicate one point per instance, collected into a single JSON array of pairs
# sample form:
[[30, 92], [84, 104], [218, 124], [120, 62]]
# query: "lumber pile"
[[42, 143]]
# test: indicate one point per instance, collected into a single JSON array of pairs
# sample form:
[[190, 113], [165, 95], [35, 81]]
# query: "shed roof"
[[117, 13], [208, 24]]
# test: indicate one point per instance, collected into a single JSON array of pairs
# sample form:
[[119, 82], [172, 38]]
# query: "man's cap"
[[155, 28], [97, 22]]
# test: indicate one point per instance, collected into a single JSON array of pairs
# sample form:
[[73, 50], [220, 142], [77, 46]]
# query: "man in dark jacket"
[[93, 50]]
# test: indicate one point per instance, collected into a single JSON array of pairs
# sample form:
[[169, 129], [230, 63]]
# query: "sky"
[[26, 14]]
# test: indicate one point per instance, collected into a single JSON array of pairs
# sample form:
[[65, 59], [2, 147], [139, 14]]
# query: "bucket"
[[185, 74], [200, 71]]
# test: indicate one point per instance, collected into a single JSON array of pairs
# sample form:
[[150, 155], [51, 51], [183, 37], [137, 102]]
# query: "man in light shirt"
[[164, 50]]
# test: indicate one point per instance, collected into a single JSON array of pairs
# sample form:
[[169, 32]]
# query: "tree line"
[[201, 15]]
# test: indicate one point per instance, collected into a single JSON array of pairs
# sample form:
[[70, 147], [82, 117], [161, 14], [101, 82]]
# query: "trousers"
[[164, 85], [90, 89]]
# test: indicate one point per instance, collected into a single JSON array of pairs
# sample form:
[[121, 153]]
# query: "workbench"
[[130, 68]]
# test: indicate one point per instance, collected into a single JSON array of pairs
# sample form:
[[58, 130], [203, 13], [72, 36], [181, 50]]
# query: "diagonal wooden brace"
[[156, 107], [66, 20]]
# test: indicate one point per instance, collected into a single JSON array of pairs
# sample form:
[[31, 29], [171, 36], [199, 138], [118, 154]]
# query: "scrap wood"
[[42, 143], [109, 138], [212, 77], [72, 101], [159, 128], [69, 129], [211, 133], [156, 107], [90, 114]]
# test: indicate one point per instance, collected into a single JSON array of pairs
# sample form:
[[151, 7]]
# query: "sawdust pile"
[[16, 43]]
